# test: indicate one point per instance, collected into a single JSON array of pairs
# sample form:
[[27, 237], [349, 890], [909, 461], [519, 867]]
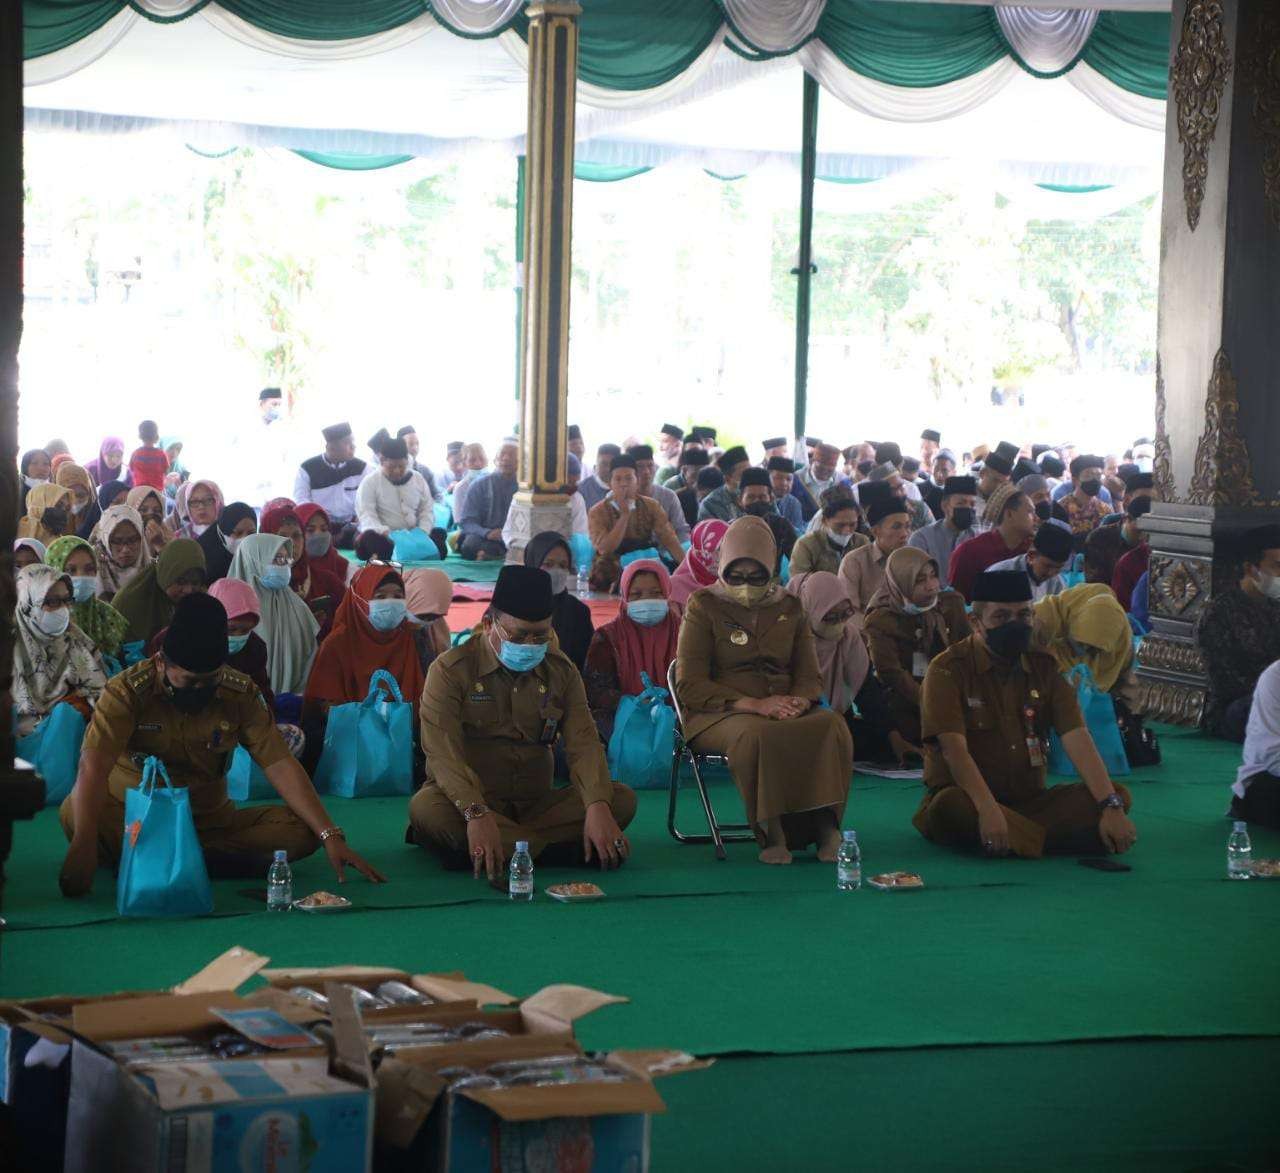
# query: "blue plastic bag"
[[134, 652], [442, 513], [1100, 716], [635, 556], [245, 780], [53, 747], [162, 871], [584, 553], [643, 739], [368, 745], [414, 545]]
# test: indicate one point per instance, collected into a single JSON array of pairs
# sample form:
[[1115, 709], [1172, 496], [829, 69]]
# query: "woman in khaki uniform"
[[831, 541], [748, 683], [909, 621]]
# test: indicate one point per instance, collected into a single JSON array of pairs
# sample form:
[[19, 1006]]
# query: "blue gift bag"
[[368, 745], [162, 870], [53, 747], [643, 739], [134, 652], [649, 552], [245, 780], [584, 553], [414, 545], [1099, 712], [442, 513]]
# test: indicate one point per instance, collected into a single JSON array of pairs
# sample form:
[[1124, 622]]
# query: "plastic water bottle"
[[280, 884], [849, 863], [520, 877], [584, 582], [1239, 853]]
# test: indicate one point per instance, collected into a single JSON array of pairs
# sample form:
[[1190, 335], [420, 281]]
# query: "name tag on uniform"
[[480, 696], [919, 665], [148, 728], [974, 702]]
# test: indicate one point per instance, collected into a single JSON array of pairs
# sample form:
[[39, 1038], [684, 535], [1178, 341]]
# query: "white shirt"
[[1262, 734], [577, 516], [1039, 590], [384, 507]]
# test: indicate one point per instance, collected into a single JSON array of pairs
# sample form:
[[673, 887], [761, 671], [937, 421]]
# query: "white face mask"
[[560, 579], [197, 528], [840, 539], [915, 609], [233, 544], [34, 482], [54, 623], [1269, 585]]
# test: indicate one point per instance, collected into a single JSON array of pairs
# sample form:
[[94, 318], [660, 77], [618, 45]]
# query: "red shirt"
[[1128, 570], [969, 559], [148, 466]]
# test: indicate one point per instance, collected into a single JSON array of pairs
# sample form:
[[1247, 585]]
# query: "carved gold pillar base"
[[535, 513], [1217, 466]]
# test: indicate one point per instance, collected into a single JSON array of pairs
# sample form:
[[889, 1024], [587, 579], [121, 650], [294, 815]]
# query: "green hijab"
[[100, 621], [142, 600]]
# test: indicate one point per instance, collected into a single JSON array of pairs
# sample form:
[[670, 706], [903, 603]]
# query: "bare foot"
[[776, 855], [829, 844], [481, 556]]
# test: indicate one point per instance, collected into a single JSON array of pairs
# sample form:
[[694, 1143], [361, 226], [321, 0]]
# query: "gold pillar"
[[544, 367]]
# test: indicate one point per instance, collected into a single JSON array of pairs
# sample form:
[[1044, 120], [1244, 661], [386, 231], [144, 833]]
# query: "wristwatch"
[[1112, 802], [332, 833], [477, 810]]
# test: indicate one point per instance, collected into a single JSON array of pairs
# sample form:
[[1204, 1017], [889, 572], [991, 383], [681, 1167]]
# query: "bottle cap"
[[850, 836], [522, 845], [1239, 825], [282, 857]]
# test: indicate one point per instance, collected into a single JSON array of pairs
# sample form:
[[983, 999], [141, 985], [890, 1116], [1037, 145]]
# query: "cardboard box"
[[261, 1116]]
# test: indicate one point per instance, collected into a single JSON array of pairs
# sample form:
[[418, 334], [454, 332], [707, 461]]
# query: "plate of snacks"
[[570, 893], [322, 902], [896, 882], [1267, 869]]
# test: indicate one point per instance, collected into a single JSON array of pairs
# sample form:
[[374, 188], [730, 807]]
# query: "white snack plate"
[[341, 906], [569, 897]]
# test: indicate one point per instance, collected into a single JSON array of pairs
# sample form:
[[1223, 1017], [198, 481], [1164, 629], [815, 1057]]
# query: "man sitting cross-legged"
[[986, 710], [492, 710]]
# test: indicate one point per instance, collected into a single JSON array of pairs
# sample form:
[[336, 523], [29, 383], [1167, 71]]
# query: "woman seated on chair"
[[748, 684], [642, 639], [909, 620]]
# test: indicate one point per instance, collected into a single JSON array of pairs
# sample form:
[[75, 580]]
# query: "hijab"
[[330, 560], [429, 592], [24, 464], [285, 622], [637, 648], [1086, 614], [900, 570], [98, 470], [143, 601], [570, 616], [69, 475], [356, 649], [699, 566], [309, 578], [749, 537], [186, 528], [108, 493], [100, 621], [135, 499], [217, 554], [43, 497], [37, 548], [843, 662], [47, 668], [112, 574]]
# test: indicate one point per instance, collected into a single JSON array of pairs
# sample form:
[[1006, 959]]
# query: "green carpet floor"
[[458, 569]]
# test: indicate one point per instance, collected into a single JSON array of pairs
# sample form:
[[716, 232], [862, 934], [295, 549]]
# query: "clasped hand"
[[782, 708]]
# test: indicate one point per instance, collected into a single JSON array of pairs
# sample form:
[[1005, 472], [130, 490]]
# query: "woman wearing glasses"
[[749, 686], [285, 622], [120, 550]]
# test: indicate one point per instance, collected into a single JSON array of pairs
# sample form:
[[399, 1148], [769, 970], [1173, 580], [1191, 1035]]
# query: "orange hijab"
[[355, 649]]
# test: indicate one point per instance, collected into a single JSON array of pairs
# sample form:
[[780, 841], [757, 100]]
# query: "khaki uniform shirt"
[[488, 732], [968, 691], [135, 720], [815, 552], [863, 573], [727, 652]]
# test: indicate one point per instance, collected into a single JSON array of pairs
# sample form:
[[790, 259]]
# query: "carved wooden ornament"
[[1223, 473], [1199, 78], [1260, 68]]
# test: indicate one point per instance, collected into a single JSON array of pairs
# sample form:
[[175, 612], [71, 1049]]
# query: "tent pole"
[[805, 268], [520, 231]]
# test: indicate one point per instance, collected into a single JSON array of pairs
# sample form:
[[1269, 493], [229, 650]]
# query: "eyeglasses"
[[524, 637], [201, 502], [736, 578], [119, 545]]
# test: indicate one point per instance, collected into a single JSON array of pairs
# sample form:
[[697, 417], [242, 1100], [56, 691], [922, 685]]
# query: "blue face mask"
[[647, 612], [236, 643], [84, 587], [274, 577], [519, 657], [387, 614]]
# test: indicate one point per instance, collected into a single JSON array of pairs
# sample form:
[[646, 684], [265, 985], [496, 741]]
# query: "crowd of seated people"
[[821, 604]]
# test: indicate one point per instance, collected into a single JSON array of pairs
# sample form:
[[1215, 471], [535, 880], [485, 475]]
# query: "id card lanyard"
[[1036, 748]]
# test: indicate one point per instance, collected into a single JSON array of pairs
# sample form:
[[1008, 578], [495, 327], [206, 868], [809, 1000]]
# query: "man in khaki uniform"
[[987, 707], [491, 711], [187, 708]]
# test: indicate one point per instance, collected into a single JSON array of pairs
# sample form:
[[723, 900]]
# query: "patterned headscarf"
[[100, 621], [112, 574], [47, 668]]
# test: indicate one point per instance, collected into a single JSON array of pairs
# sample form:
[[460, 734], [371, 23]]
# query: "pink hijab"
[[698, 569], [637, 648], [843, 662]]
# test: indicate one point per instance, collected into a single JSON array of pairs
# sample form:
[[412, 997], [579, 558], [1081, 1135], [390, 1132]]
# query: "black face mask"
[[54, 519], [1139, 508], [191, 700], [758, 509], [1044, 510], [1009, 640], [962, 517], [1090, 488]]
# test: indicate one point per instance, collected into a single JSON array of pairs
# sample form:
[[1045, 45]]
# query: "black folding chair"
[[721, 833]]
